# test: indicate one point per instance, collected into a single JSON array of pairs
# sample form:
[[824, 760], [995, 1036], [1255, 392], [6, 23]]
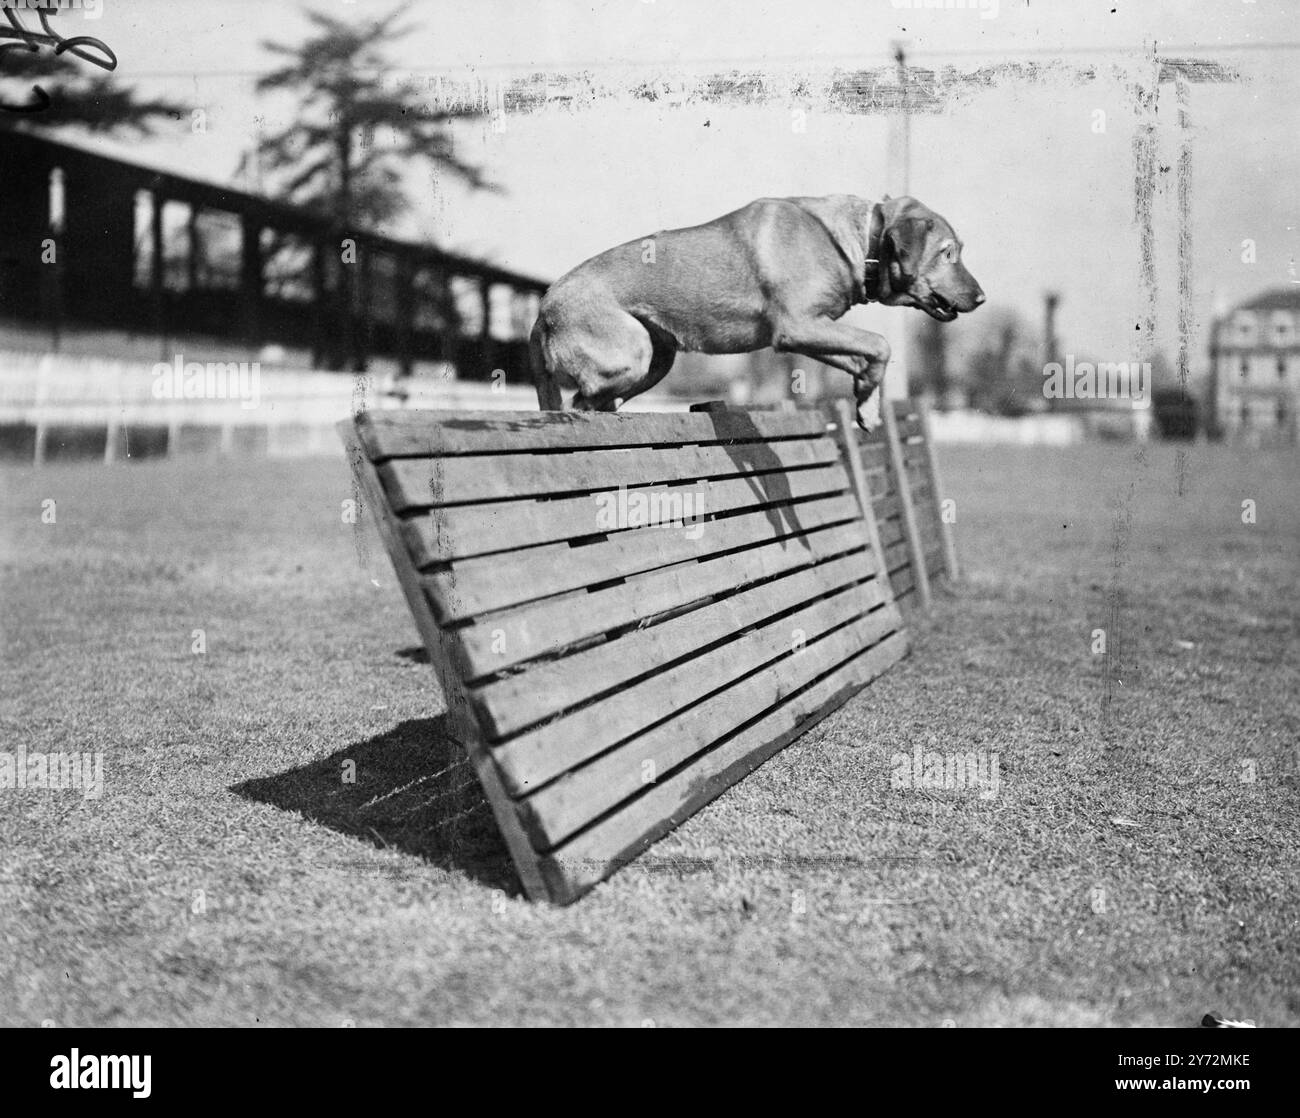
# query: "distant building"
[[1255, 362]]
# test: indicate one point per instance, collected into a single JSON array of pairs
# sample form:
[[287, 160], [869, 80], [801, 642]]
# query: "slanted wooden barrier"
[[916, 542], [627, 613]]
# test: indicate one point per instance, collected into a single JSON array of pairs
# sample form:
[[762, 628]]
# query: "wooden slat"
[[413, 433], [897, 555], [873, 452], [936, 484], [903, 581], [891, 530], [476, 586], [531, 759], [508, 705], [511, 827], [908, 416], [846, 429], [615, 840], [880, 482], [461, 725], [418, 483], [914, 461], [927, 517], [518, 700], [466, 531], [922, 495], [538, 628], [565, 806], [910, 530], [886, 506]]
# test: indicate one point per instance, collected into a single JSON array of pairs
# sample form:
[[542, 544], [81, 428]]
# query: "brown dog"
[[778, 272]]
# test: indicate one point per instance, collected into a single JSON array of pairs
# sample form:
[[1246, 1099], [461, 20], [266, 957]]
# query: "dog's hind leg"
[[663, 354], [548, 388]]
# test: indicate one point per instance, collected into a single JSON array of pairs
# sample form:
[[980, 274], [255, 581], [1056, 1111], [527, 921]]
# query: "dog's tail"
[[548, 388]]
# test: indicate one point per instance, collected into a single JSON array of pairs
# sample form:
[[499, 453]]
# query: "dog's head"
[[920, 262]]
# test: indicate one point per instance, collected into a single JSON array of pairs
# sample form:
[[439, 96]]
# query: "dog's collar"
[[874, 274]]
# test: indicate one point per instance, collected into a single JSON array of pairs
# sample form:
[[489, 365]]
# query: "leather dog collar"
[[875, 273]]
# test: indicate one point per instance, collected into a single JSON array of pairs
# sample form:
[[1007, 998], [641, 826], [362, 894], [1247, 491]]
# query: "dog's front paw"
[[866, 419]]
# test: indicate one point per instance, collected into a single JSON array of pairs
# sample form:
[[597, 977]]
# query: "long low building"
[[91, 242]]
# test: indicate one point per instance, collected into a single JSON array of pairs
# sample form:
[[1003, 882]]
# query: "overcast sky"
[[1041, 198]]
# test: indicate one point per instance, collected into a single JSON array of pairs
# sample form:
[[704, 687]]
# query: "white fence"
[[292, 411], [297, 408]]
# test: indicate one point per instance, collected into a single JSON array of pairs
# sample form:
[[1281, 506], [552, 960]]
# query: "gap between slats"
[[477, 588], [580, 845], [536, 756], [504, 645]]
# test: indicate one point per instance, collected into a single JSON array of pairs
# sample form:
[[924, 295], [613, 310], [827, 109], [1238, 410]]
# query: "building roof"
[[21, 146], [1277, 298]]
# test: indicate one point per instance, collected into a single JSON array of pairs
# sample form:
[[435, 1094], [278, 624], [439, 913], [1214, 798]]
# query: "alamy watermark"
[[1106, 380], [947, 772], [89, 1072], [55, 772], [89, 9], [988, 9], [638, 508], [215, 380]]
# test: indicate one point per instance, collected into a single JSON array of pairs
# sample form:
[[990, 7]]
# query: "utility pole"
[[1051, 300], [895, 331], [905, 121]]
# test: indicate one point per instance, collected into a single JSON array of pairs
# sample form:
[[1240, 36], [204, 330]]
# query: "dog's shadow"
[[409, 789], [763, 470]]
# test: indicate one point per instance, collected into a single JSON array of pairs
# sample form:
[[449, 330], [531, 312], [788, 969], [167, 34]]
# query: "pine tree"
[[353, 134], [52, 80]]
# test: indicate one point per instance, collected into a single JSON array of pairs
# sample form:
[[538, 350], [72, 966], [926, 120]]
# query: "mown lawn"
[[1137, 866]]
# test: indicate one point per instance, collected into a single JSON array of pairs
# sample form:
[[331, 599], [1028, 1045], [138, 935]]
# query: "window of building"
[[57, 201], [1244, 328], [526, 304], [287, 267], [1281, 365], [356, 278], [331, 266], [218, 249], [501, 322], [467, 293], [1281, 413], [1245, 367], [142, 238], [1282, 329], [434, 309], [176, 245], [383, 287]]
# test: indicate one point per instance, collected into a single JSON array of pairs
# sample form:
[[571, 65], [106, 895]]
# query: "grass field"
[[1137, 866]]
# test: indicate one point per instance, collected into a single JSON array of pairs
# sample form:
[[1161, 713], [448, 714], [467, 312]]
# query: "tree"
[[1003, 373], [330, 159], [929, 372], [45, 82], [343, 154]]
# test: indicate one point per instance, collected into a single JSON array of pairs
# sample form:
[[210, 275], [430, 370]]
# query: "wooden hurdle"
[[627, 613], [915, 539]]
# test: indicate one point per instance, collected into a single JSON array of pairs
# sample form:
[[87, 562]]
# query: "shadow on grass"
[[414, 791]]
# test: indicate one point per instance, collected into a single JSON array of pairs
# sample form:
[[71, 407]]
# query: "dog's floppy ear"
[[905, 239]]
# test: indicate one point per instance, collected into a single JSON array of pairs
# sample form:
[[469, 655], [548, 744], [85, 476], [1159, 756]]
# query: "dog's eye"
[[950, 254]]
